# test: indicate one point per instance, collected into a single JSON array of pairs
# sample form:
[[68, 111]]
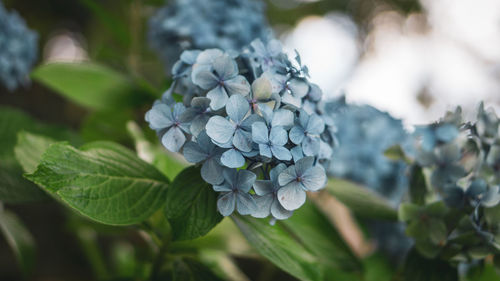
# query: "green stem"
[[87, 240]]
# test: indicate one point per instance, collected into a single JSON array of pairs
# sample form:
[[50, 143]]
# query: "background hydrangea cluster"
[[18, 49], [363, 135], [251, 120], [462, 160], [201, 24]]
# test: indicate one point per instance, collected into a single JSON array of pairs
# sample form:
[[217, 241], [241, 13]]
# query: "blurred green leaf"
[[191, 206], [275, 244], [107, 125], [395, 153], [115, 25], [310, 226], [89, 84], [418, 268], [103, 181], [362, 201], [13, 187], [29, 150], [188, 269], [483, 272], [19, 239], [418, 186]]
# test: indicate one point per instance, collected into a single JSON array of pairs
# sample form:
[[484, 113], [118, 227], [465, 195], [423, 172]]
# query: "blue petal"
[[282, 117], [279, 212], [225, 67], [159, 117], [281, 153], [274, 173], [226, 204], [297, 134], [193, 153], [297, 153], [211, 171], [263, 206], [299, 87], [291, 196], [237, 107], [260, 133], [315, 125], [303, 165], [245, 180], [446, 132], [173, 139], [247, 123], [189, 56], [263, 187], [291, 100], [310, 146], [237, 86], [262, 88], [288, 175], [492, 197], [232, 159], [218, 97], [242, 140], [225, 187], [314, 178], [245, 204], [179, 108], [265, 150], [278, 136], [205, 79], [220, 129]]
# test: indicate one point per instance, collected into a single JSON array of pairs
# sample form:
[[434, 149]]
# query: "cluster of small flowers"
[[251, 120], [18, 49], [463, 159], [201, 24], [363, 135]]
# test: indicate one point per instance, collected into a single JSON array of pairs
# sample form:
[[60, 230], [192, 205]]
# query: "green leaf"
[[395, 153], [89, 84], [317, 234], [103, 181], [418, 268], [275, 244], [188, 269], [191, 206], [29, 150], [116, 26], [483, 272], [13, 187], [418, 186], [107, 125], [362, 201], [19, 239], [168, 163]]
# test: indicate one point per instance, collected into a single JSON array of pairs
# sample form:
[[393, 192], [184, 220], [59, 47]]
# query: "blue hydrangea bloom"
[[169, 124], [18, 49], [267, 196], [201, 24], [235, 194], [237, 122]]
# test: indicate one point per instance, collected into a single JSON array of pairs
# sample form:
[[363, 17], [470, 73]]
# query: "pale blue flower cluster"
[[363, 135], [18, 49], [202, 24], [464, 158], [251, 120]]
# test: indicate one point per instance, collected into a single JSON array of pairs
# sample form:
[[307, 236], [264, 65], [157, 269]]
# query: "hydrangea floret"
[[18, 49], [260, 153]]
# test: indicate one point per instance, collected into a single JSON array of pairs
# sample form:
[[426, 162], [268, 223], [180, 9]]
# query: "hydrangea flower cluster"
[[363, 135], [252, 122], [462, 159], [18, 49], [201, 24]]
